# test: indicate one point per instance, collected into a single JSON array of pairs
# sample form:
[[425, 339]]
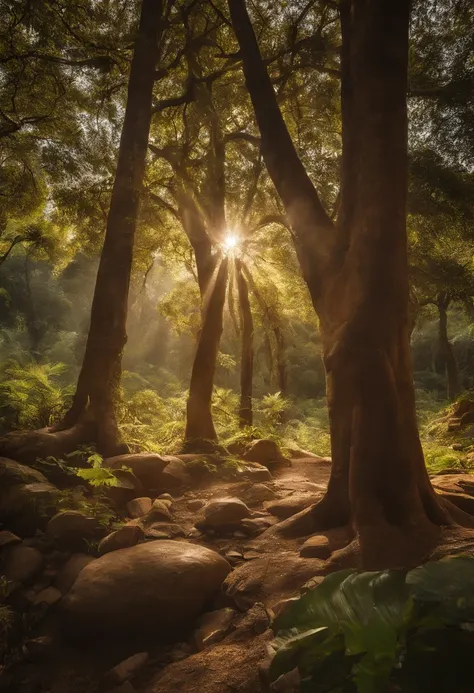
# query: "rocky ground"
[[180, 595]]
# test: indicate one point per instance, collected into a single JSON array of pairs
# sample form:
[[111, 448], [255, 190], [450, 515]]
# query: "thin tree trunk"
[[101, 368], [200, 431], [446, 350], [246, 361], [357, 274]]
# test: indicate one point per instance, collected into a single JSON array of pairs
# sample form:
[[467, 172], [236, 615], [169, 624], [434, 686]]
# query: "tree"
[[357, 273]]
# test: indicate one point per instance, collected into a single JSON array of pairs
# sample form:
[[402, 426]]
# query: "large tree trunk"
[[101, 368], [246, 361], [200, 432], [446, 349], [357, 274]]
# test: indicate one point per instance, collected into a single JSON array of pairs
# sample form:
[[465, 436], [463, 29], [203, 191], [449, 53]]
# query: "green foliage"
[[366, 632], [32, 395]]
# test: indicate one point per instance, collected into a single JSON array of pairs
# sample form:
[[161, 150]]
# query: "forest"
[[236, 346]]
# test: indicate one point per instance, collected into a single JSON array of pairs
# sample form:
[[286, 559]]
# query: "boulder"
[[12, 473], [146, 466], [258, 493], [138, 507], [159, 587], [127, 488], [175, 474], [195, 504], [270, 579], [213, 627], [316, 547], [68, 574], [71, 525], [27, 507], [22, 563], [158, 512], [225, 513], [163, 530], [125, 670], [255, 472], [286, 507], [123, 538], [8, 539], [48, 596], [264, 452]]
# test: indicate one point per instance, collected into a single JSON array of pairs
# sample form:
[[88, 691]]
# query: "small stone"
[[8, 539], [72, 524], [49, 596], [163, 530], [255, 472], [68, 574], [128, 535], [159, 511], [138, 507], [259, 493], [195, 504], [125, 670], [233, 556], [23, 563], [166, 497], [316, 547], [223, 513], [457, 447], [240, 535], [213, 627], [257, 525]]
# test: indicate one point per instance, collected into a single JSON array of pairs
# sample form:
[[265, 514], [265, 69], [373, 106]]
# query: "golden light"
[[230, 243]]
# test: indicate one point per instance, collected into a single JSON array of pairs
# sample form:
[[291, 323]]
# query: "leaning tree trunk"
[[446, 349], [200, 432], [246, 361], [101, 368], [357, 274]]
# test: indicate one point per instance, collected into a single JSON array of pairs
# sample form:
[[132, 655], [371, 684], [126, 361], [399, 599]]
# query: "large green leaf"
[[448, 584]]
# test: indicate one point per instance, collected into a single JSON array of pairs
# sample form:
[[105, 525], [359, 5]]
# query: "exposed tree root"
[[27, 446]]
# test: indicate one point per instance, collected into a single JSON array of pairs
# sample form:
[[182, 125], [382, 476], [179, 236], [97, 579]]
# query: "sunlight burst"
[[231, 242]]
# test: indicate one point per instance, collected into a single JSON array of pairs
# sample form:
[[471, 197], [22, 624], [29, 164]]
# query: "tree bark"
[[446, 349], [101, 368], [358, 280], [246, 361], [200, 432]]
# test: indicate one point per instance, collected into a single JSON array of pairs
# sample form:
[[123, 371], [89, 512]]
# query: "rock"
[[22, 563], [127, 488], [316, 547], [12, 473], [264, 452], [159, 511], [213, 627], [70, 571], [257, 525], [233, 556], [48, 596], [71, 525], [138, 507], [175, 474], [39, 648], [125, 670], [286, 507], [255, 472], [123, 538], [270, 579], [166, 497], [159, 587], [258, 493], [298, 453], [195, 504], [146, 466], [225, 513], [163, 530], [27, 507], [8, 539]]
